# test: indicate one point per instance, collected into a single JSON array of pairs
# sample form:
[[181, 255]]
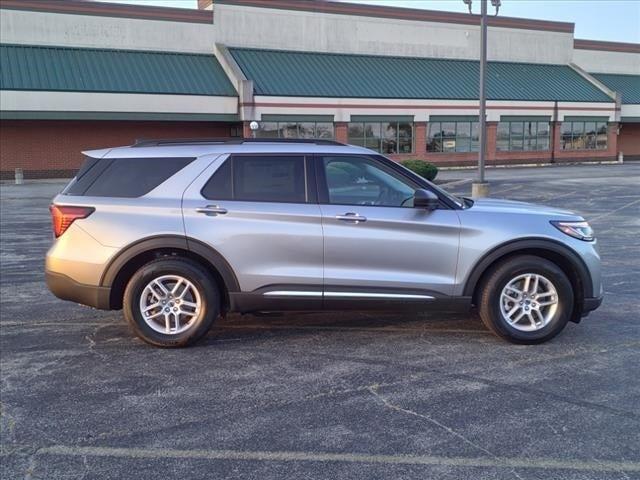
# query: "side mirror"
[[425, 199]]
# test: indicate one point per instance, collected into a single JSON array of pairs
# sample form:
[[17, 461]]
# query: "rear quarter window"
[[124, 177]]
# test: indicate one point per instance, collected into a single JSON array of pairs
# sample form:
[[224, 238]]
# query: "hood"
[[510, 206]]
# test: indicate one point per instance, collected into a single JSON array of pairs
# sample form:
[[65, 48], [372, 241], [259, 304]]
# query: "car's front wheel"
[[171, 302], [526, 299]]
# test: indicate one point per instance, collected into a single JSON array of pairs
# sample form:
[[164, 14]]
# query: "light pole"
[[480, 188]]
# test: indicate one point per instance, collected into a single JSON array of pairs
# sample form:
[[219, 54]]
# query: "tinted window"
[[219, 185], [361, 181], [126, 177], [259, 179], [90, 170]]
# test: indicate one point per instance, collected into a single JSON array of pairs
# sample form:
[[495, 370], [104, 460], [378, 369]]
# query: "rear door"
[[376, 245], [260, 212]]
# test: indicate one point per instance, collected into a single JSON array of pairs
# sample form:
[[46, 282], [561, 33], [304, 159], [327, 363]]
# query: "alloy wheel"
[[528, 302], [170, 304]]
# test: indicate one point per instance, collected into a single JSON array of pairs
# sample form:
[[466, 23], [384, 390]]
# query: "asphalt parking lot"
[[341, 396]]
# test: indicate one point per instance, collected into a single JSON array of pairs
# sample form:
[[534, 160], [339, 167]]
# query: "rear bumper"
[[66, 288]]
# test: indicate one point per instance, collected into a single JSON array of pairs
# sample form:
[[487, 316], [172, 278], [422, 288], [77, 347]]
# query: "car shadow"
[[250, 327]]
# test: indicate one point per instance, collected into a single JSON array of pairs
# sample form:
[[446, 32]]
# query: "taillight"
[[63, 216]]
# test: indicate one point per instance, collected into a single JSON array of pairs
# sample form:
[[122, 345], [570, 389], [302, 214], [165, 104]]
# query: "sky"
[[612, 20]]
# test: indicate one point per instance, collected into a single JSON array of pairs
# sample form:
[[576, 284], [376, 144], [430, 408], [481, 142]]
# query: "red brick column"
[[557, 139], [246, 130], [420, 139], [341, 132], [612, 140], [492, 140]]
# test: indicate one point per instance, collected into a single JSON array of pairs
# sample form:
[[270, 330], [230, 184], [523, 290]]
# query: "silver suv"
[[177, 233]]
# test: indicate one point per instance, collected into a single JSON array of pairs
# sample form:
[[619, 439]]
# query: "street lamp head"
[[254, 126], [468, 4]]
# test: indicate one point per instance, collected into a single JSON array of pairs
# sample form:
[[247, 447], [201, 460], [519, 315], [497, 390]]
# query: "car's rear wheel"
[[526, 299], [171, 302]]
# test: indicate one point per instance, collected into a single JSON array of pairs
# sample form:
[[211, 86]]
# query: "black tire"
[[194, 273], [491, 290]]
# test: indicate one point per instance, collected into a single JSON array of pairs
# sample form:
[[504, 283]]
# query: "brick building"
[[78, 75]]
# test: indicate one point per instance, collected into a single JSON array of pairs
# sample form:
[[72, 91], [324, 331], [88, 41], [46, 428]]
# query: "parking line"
[[288, 456], [606, 214]]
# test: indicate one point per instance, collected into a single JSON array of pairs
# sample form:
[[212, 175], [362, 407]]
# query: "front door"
[[376, 245]]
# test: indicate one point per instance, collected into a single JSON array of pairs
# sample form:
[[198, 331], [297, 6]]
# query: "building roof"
[[114, 71], [606, 46], [306, 74], [627, 85]]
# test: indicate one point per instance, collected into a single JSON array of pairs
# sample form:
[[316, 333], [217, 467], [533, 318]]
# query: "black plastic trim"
[[172, 241], [524, 244], [256, 301], [591, 304], [66, 288]]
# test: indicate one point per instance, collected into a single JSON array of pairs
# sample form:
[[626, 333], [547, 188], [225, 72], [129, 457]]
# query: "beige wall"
[[600, 61], [421, 110], [26, 101], [58, 29], [242, 26]]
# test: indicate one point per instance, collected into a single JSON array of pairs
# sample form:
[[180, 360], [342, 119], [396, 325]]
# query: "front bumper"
[[590, 304], [66, 288]]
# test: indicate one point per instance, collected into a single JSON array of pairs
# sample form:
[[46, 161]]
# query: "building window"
[[523, 136], [383, 137], [323, 130], [453, 137], [584, 135], [235, 131]]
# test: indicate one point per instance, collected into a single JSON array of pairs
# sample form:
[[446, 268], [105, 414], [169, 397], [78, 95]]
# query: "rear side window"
[[268, 178], [125, 177]]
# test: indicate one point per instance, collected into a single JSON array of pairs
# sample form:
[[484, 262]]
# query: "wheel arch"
[[131, 258], [568, 260]]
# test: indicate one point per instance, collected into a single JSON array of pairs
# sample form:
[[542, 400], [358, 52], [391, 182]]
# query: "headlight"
[[579, 230]]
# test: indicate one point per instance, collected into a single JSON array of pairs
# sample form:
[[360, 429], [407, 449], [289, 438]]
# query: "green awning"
[[311, 74], [525, 118], [64, 69], [382, 118], [453, 118], [297, 118], [585, 119]]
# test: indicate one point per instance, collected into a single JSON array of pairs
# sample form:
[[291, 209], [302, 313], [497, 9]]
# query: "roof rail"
[[229, 141]]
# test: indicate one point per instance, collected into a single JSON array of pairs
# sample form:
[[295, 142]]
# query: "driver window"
[[353, 180]]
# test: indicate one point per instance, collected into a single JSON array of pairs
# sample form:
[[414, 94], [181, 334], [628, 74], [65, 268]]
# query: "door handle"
[[212, 210], [351, 217]]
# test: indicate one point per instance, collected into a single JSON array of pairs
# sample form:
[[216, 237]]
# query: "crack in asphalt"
[[373, 389]]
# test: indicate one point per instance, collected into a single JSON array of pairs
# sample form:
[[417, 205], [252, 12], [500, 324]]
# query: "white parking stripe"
[[498, 462]]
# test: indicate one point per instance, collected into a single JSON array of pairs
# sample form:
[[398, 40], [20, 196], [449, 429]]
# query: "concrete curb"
[[531, 165]]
